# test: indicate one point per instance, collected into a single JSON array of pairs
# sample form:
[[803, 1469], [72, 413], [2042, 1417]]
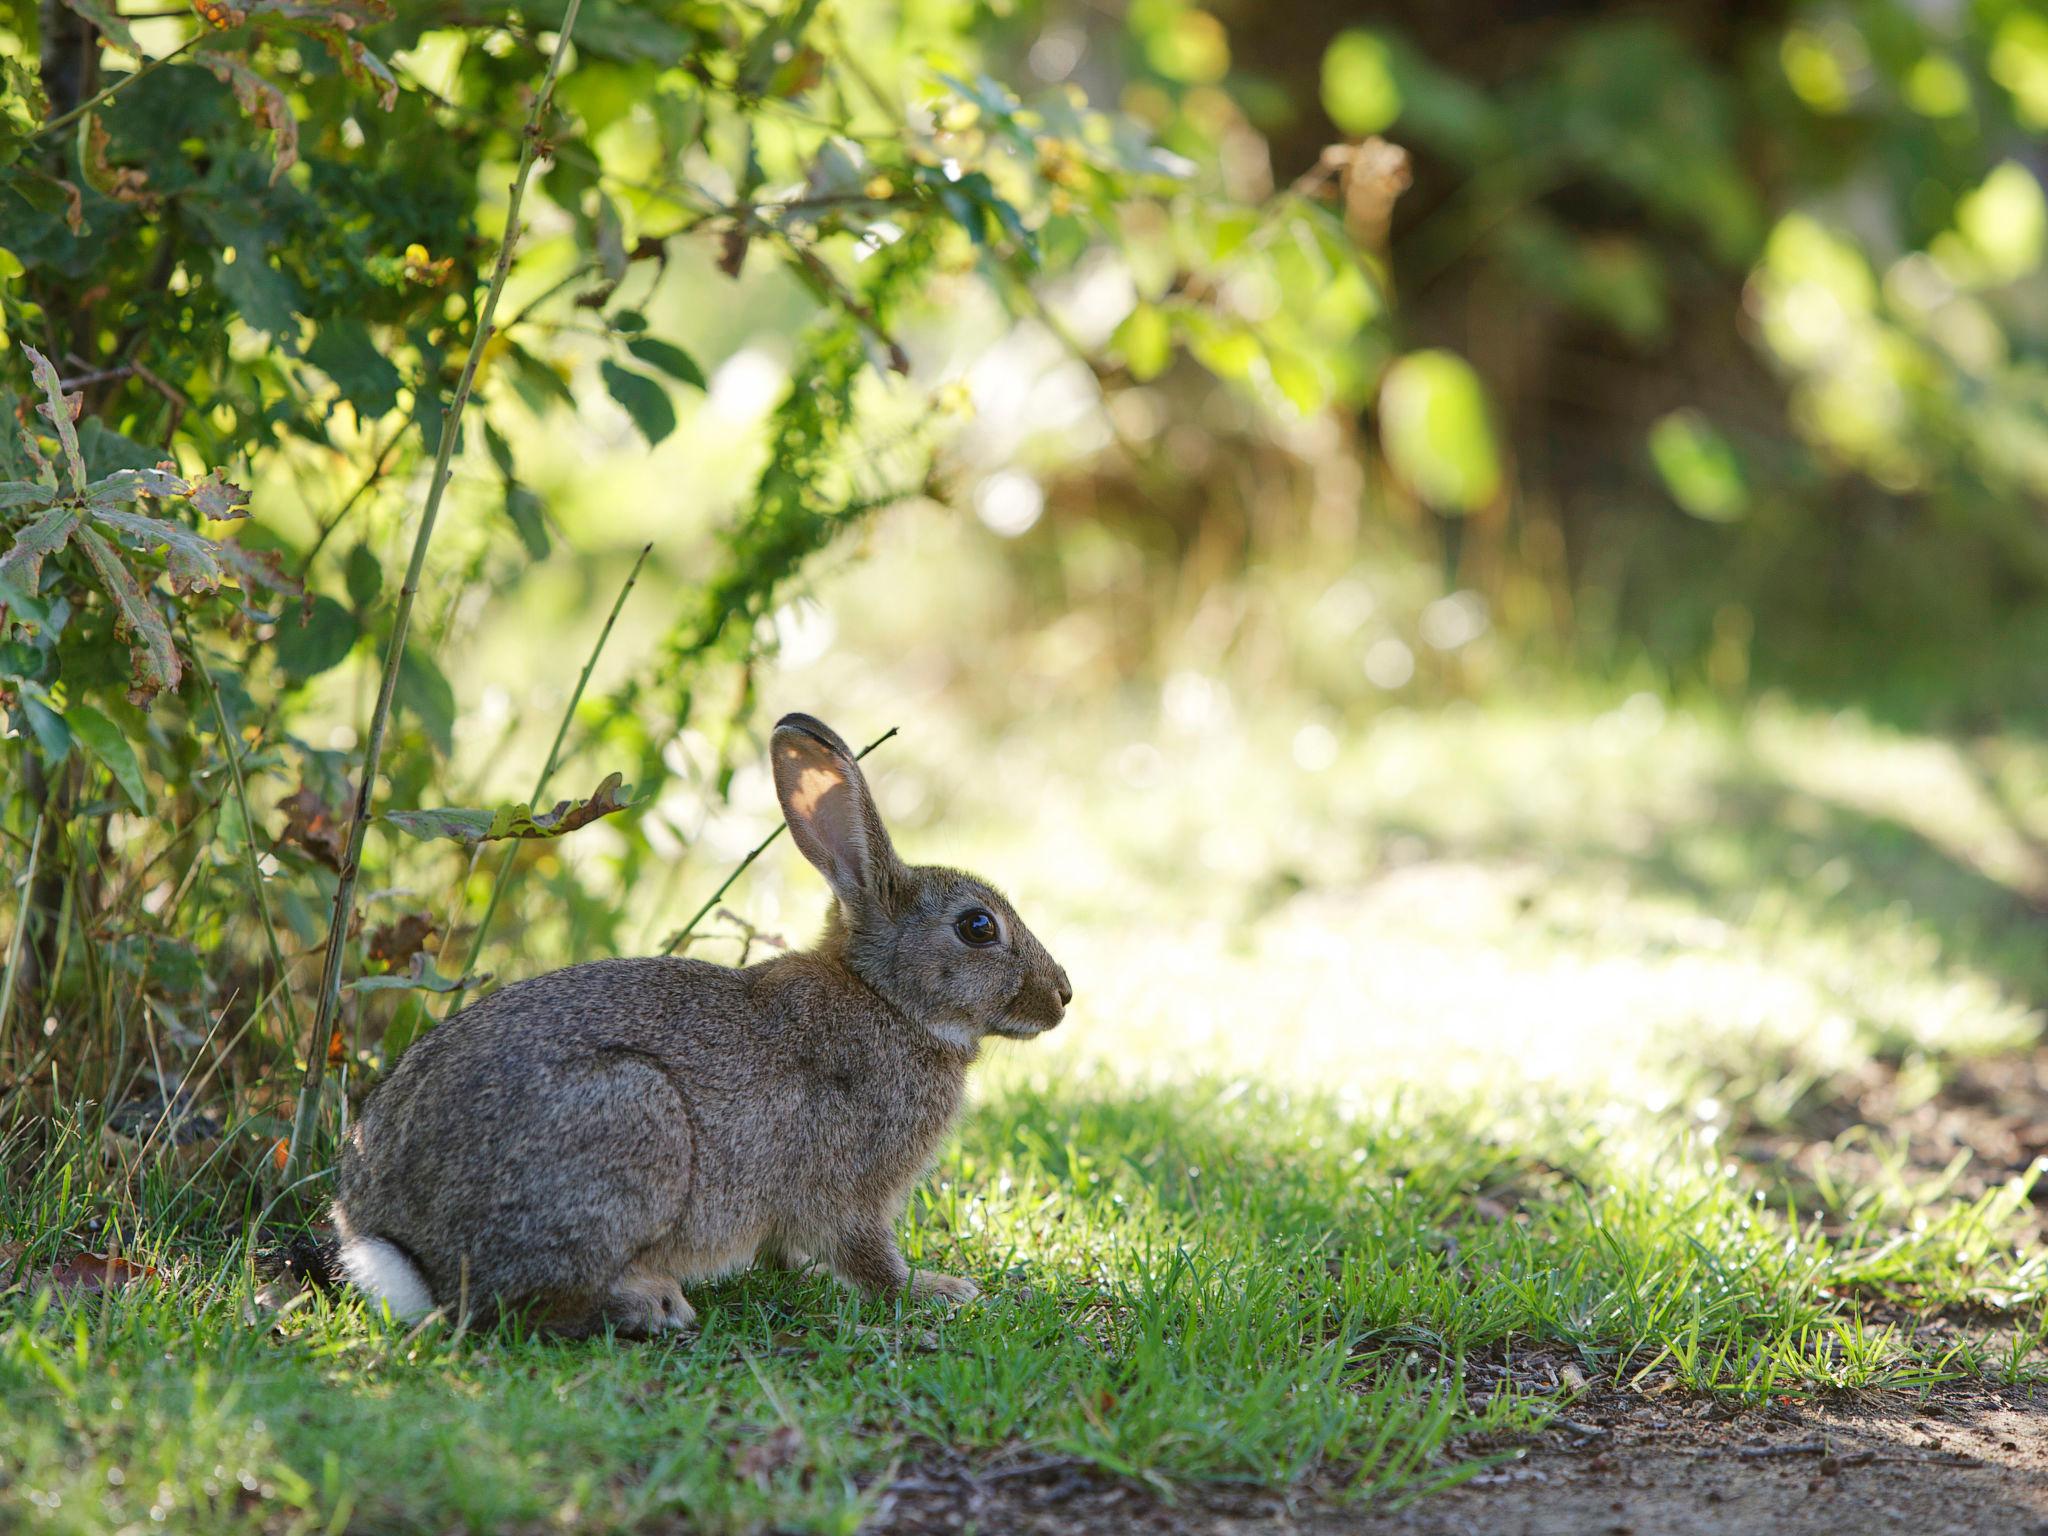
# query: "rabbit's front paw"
[[926, 1284]]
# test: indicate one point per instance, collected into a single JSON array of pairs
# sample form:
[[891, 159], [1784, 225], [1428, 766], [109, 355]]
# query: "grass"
[[1452, 1054]]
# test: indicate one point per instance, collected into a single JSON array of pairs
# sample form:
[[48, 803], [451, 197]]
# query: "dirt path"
[[1971, 1463]]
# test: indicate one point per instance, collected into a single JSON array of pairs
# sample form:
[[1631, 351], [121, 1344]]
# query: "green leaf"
[[264, 297], [366, 378], [318, 641], [1146, 341], [365, 577], [501, 451], [537, 383], [193, 558], [419, 976], [670, 359], [22, 565], [465, 824], [611, 241], [1435, 430], [1698, 467], [528, 515], [1360, 93], [150, 651], [48, 728], [108, 20], [25, 493], [644, 399], [57, 410], [424, 691], [469, 824], [104, 740]]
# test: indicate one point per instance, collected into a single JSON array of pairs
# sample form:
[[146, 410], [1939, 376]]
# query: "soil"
[[1964, 1461], [1994, 1109]]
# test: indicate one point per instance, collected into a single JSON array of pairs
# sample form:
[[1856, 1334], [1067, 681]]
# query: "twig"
[[675, 939], [540, 785], [307, 1114], [28, 884], [230, 744], [149, 67]]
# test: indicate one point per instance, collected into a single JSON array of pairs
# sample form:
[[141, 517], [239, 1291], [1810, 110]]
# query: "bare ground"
[[1955, 1461]]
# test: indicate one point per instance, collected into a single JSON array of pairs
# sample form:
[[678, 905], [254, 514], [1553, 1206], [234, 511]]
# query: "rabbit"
[[580, 1147]]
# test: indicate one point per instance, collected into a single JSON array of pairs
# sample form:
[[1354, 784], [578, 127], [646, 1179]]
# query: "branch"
[[308, 1111]]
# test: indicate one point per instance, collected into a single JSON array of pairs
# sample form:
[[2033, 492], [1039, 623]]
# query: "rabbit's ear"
[[830, 813]]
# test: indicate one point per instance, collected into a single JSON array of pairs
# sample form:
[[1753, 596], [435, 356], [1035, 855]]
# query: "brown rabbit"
[[583, 1145]]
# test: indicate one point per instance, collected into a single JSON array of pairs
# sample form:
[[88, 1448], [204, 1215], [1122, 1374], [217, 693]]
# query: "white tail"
[[381, 1272]]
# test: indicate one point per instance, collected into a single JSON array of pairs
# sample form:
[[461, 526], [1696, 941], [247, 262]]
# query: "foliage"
[[220, 232]]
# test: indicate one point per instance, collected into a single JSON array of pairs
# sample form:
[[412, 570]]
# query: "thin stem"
[[540, 786], [28, 886], [149, 67], [676, 939], [307, 1115], [231, 745]]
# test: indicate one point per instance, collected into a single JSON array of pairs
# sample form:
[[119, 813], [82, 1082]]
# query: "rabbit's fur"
[[582, 1145]]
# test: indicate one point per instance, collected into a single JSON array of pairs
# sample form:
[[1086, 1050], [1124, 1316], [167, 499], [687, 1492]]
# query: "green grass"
[[1445, 1057]]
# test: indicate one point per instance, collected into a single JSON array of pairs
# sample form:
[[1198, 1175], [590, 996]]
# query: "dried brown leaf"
[[395, 943], [314, 827]]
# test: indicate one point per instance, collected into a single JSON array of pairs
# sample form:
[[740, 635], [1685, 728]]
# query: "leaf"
[[217, 498], [644, 399], [1435, 429], [515, 822], [48, 728], [110, 23], [669, 358], [258, 568], [1146, 340], [395, 943], [419, 976], [462, 824], [425, 692], [365, 577], [151, 654], [263, 103], [91, 1273], [192, 557], [264, 297], [23, 563], [318, 641], [528, 516], [314, 827], [25, 493], [611, 241], [59, 411], [104, 740], [366, 378]]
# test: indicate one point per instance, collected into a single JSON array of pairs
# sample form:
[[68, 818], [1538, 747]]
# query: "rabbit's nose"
[[1066, 990]]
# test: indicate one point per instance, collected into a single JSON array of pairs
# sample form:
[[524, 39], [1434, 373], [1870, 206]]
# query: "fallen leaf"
[[94, 1272]]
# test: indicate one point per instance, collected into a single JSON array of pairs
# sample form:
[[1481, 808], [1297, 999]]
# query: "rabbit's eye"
[[976, 927]]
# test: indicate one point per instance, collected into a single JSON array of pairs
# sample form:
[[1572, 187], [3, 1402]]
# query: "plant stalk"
[[308, 1111], [503, 877], [230, 743], [21, 917]]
